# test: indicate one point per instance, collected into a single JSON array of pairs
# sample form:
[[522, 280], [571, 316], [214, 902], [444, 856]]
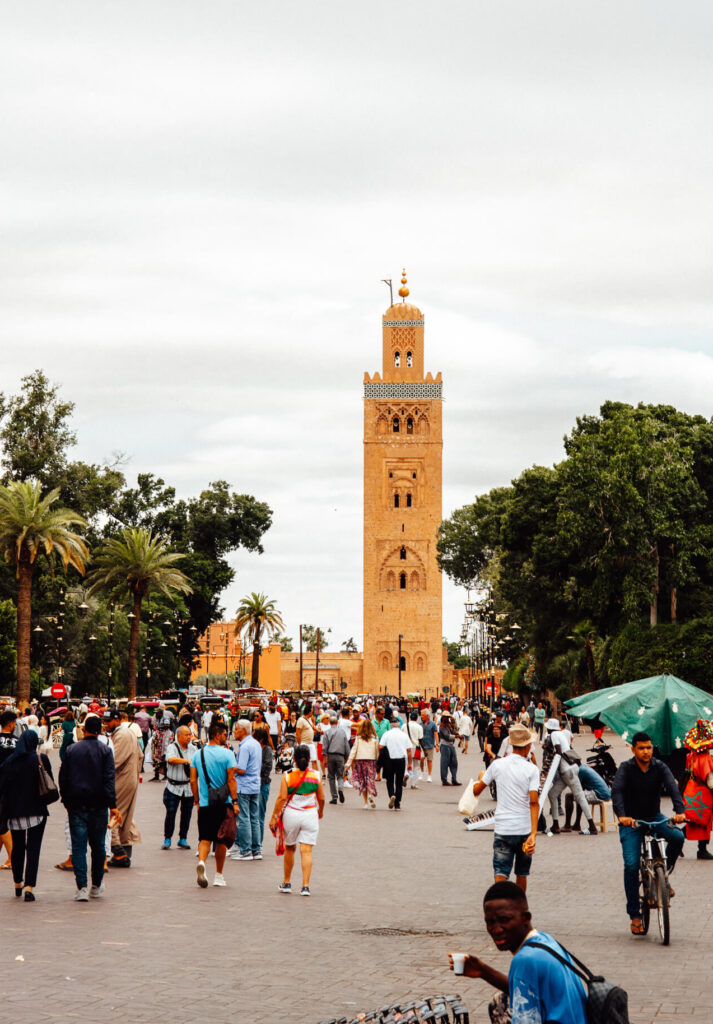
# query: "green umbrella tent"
[[663, 706]]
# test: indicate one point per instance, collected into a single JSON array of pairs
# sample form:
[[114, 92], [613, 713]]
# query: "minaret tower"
[[403, 445]]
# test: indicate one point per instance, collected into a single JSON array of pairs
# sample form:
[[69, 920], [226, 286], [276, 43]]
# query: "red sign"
[[58, 691]]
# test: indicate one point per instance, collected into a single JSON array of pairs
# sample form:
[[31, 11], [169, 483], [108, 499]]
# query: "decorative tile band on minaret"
[[403, 447]]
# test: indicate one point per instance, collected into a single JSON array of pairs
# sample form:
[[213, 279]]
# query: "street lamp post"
[[400, 662], [111, 649]]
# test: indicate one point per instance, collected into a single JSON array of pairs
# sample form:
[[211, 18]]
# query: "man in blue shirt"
[[538, 988], [214, 766], [429, 741], [249, 758]]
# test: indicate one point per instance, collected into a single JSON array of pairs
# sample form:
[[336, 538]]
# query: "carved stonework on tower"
[[403, 446]]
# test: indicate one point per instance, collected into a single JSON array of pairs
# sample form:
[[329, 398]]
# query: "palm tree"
[[134, 564], [28, 525], [255, 614]]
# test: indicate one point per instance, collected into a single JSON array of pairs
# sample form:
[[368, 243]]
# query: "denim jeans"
[[88, 826], [264, 797], [507, 850], [172, 802], [631, 840], [592, 781], [449, 760], [248, 837]]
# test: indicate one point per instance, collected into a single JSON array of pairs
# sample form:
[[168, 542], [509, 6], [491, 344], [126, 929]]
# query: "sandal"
[[6, 867], [637, 926]]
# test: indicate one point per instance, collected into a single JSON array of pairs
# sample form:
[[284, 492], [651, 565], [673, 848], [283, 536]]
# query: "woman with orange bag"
[[697, 795]]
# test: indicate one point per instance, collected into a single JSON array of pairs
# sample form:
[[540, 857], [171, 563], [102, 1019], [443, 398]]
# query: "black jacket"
[[637, 794], [86, 778], [20, 784]]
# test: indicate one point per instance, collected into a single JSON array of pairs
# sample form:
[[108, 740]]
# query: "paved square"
[[158, 948]]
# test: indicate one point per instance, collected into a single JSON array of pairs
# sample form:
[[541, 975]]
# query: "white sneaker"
[[429, 779], [200, 872], [96, 891], [348, 785], [219, 880], [241, 856], [257, 856], [81, 895]]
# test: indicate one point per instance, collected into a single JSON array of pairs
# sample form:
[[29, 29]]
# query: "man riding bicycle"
[[636, 796]]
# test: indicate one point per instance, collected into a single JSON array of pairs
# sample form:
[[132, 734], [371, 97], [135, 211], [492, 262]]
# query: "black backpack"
[[606, 1002]]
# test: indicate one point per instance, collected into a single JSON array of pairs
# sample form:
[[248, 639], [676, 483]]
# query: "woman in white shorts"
[[301, 805]]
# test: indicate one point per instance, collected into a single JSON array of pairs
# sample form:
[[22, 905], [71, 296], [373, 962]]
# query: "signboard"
[[58, 691], [343, 685], [446, 689]]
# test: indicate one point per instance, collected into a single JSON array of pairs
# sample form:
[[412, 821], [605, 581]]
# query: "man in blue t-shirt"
[[249, 758], [429, 741], [538, 988], [213, 765]]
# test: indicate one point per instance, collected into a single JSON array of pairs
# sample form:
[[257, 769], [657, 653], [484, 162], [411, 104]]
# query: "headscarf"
[[700, 737], [27, 744]]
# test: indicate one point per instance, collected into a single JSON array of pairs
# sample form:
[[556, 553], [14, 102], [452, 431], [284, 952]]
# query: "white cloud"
[[199, 204]]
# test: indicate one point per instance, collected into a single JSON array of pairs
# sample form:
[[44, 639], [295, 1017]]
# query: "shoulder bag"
[[47, 786], [216, 795]]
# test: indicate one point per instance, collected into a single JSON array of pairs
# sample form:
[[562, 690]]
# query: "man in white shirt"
[[517, 809], [399, 748], [414, 730], [567, 778], [274, 724]]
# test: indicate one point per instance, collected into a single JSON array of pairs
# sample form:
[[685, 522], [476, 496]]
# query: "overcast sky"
[[199, 201]]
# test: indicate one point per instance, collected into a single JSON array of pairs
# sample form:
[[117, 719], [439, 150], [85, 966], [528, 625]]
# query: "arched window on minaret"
[[409, 425], [396, 425], [397, 359], [396, 499], [408, 501], [409, 358], [402, 581], [403, 554]]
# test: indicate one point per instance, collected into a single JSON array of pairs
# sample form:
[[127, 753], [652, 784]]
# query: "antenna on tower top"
[[387, 280]]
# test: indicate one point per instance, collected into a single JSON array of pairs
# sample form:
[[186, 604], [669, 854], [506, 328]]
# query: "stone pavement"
[[158, 948]]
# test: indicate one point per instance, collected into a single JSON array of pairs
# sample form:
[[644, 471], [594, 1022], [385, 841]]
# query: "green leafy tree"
[[285, 642], [134, 564], [8, 644], [455, 658], [205, 529], [31, 525], [313, 636], [257, 617], [35, 434]]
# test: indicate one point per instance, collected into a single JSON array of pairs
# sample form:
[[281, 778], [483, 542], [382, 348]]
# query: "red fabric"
[[697, 798], [698, 808]]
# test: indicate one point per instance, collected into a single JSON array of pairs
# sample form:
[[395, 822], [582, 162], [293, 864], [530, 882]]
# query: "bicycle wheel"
[[645, 898], [662, 900]]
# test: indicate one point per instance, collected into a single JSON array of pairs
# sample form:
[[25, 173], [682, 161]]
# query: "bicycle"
[[653, 879]]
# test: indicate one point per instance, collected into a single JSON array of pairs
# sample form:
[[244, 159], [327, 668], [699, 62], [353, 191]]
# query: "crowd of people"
[[221, 764]]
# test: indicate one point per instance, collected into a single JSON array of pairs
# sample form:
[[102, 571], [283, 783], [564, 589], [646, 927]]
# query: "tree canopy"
[[616, 536]]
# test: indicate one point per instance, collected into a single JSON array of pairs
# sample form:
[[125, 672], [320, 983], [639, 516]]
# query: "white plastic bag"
[[468, 803]]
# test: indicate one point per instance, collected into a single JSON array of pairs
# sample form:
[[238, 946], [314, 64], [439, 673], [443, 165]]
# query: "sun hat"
[[520, 736], [552, 724], [700, 737]]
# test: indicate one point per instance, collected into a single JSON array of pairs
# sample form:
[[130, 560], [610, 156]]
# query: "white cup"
[[459, 962]]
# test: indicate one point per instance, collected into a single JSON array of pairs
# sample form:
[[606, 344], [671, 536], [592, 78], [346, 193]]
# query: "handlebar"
[[652, 824]]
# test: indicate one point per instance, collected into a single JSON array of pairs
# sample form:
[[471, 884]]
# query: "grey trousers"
[[335, 771], [568, 778]]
